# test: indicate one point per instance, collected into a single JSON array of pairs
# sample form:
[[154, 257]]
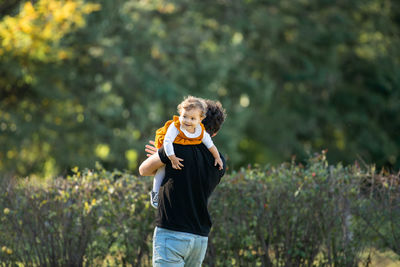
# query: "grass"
[[380, 259]]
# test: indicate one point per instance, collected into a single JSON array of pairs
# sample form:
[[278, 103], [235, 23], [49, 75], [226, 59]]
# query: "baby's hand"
[[219, 162], [176, 162]]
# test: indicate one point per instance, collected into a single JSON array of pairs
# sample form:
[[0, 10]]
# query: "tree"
[[294, 76]]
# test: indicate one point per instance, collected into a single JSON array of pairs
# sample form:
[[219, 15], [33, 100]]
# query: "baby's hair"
[[191, 102]]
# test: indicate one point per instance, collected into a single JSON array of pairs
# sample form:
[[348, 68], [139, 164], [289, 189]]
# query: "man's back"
[[184, 194]]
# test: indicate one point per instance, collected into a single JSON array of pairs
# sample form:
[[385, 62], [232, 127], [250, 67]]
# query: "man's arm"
[[150, 165], [150, 149]]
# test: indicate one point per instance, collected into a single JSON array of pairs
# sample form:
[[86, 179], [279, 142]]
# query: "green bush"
[[378, 214], [288, 215], [86, 219]]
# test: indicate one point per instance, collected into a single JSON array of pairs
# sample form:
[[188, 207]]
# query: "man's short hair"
[[215, 116]]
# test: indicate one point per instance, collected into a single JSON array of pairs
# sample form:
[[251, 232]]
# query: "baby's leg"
[[158, 178]]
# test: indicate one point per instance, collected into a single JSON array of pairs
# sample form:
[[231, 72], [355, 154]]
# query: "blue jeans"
[[172, 248]]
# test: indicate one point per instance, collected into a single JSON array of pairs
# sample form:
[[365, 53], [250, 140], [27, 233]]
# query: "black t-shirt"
[[183, 196]]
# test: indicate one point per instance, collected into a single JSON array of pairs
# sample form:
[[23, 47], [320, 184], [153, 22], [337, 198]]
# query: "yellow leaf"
[[35, 32]]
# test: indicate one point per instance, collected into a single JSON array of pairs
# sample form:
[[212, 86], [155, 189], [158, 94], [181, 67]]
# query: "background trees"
[[90, 81]]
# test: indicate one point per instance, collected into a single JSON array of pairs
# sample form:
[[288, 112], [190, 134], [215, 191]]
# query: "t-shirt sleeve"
[[163, 157], [207, 141], [169, 139]]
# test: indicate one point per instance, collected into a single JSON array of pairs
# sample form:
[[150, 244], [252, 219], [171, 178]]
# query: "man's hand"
[[150, 149], [219, 162], [176, 162]]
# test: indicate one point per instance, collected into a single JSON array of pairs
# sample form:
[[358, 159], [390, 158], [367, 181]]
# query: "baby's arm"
[[213, 149], [169, 139]]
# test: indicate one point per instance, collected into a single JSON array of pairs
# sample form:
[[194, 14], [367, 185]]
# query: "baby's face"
[[190, 119]]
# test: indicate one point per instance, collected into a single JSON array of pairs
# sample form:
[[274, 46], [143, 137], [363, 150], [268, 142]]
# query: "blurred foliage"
[[86, 81], [35, 32], [285, 215]]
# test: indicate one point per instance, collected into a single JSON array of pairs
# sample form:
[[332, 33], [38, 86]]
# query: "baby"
[[186, 129]]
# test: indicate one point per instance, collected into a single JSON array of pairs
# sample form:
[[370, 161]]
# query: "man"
[[183, 222]]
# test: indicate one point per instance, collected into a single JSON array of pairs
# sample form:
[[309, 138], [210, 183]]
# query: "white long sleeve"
[[173, 132], [169, 139], [207, 141]]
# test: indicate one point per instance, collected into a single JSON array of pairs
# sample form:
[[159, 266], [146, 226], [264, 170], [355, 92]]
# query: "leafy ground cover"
[[286, 215]]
